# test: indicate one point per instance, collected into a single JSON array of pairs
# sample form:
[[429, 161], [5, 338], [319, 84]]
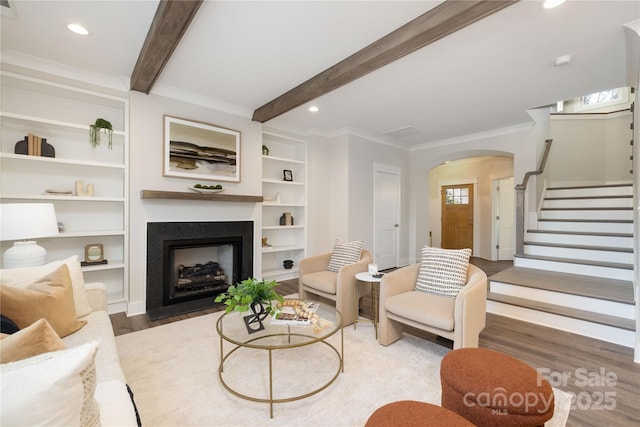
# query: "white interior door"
[[506, 219], [386, 199]]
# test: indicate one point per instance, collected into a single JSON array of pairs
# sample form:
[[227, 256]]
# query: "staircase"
[[577, 268]]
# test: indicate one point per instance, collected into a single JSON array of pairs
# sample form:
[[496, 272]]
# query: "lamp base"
[[24, 254]]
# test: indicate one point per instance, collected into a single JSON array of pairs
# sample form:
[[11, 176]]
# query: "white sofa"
[[111, 393]]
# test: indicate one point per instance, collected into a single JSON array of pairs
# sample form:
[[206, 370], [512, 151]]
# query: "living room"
[[340, 160]]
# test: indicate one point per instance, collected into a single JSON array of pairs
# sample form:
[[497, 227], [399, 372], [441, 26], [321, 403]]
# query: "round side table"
[[374, 282]]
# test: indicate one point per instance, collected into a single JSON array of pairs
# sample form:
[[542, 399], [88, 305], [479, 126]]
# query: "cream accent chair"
[[315, 279], [460, 319]]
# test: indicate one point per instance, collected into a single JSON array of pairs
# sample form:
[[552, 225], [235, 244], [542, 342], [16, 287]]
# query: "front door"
[[457, 216]]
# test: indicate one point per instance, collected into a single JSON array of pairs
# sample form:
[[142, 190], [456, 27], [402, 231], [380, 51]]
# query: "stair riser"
[[594, 330], [587, 214], [588, 203], [587, 270], [580, 254], [577, 239], [593, 305], [591, 192], [601, 227]]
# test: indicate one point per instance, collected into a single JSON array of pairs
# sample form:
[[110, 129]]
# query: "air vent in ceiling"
[[403, 132]]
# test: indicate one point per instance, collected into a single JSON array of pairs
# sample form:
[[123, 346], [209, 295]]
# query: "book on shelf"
[[295, 313]]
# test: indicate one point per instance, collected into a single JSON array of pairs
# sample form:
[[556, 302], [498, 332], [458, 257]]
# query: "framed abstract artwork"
[[200, 151]]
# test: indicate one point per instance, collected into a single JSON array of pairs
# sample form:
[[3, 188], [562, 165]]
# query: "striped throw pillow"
[[344, 253], [443, 271]]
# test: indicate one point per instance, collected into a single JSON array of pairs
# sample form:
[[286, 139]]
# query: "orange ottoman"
[[409, 413], [490, 388]]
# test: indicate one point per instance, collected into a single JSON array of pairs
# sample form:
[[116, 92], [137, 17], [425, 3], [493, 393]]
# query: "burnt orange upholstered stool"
[[490, 388], [410, 413]]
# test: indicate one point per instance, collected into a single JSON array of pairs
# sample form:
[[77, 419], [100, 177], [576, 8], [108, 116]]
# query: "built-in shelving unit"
[[62, 113], [285, 242]]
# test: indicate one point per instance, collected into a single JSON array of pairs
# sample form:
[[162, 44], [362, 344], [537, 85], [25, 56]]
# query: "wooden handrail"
[[520, 188]]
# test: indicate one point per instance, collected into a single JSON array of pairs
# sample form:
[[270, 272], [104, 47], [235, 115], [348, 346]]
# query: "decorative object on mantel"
[[286, 219], [288, 264], [206, 189], [257, 295], [288, 175], [82, 192], [265, 150], [101, 125], [33, 145], [198, 150], [93, 255]]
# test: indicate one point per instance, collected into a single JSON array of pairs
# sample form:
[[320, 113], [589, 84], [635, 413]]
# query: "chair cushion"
[[423, 307], [443, 271], [344, 253], [325, 281]]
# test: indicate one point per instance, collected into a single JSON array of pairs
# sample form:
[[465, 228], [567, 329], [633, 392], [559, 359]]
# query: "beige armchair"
[[460, 319], [315, 279]]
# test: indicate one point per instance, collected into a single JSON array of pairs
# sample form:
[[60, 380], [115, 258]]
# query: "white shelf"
[[53, 160], [282, 227], [282, 182], [281, 272], [274, 249], [62, 113], [282, 159], [62, 198], [283, 205]]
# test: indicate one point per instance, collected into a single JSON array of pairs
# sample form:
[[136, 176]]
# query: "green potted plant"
[[249, 294], [101, 125]]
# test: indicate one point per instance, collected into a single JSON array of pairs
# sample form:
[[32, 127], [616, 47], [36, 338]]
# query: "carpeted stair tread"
[[574, 284], [588, 316]]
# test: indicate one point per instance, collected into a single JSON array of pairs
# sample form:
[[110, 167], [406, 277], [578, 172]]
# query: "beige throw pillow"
[[23, 277], [443, 271], [50, 297], [28, 342]]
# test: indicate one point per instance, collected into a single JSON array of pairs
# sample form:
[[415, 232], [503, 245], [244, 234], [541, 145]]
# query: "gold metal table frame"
[[231, 328]]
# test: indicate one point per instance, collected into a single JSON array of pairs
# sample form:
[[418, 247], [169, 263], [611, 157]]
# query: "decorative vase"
[[287, 263]]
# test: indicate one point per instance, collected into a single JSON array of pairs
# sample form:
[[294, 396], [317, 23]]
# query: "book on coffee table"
[[295, 312]]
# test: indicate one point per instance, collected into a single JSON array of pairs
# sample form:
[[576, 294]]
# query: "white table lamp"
[[22, 221]]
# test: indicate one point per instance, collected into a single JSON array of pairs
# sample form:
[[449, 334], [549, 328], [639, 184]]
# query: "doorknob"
[[471, 220], [397, 225]]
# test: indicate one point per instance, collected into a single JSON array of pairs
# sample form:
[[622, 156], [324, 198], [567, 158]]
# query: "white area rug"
[[173, 372]]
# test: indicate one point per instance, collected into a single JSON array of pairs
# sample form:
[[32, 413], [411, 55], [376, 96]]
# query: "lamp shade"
[[21, 221]]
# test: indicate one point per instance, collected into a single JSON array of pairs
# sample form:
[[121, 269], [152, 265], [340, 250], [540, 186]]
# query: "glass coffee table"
[[280, 363]]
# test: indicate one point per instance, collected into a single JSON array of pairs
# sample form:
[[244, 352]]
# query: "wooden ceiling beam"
[[169, 24], [446, 18]]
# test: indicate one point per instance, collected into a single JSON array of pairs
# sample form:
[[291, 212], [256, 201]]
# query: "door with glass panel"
[[457, 216]]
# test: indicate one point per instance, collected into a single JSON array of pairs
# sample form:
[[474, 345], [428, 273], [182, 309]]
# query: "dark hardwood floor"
[[602, 376]]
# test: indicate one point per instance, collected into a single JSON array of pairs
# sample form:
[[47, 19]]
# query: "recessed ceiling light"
[[314, 109], [550, 4], [78, 29], [562, 60]]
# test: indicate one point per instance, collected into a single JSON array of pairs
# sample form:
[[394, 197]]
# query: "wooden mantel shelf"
[[216, 197]]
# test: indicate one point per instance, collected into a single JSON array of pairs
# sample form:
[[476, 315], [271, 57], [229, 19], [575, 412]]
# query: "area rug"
[[173, 372]]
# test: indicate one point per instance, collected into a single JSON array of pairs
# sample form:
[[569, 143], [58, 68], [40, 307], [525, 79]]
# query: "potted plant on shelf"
[[254, 294], [101, 125]]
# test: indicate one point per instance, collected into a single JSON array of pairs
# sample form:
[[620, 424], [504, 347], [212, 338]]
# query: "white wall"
[[146, 154], [590, 149]]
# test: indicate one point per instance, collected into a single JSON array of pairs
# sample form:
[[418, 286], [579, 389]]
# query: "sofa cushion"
[[344, 253], [33, 340], [443, 271], [23, 277], [325, 281], [55, 388], [50, 297], [423, 307]]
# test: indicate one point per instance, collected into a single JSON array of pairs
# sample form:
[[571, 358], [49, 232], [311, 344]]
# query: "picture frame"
[[201, 151], [288, 175], [93, 253]]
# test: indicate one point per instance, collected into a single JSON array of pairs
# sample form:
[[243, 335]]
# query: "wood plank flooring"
[[601, 375]]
